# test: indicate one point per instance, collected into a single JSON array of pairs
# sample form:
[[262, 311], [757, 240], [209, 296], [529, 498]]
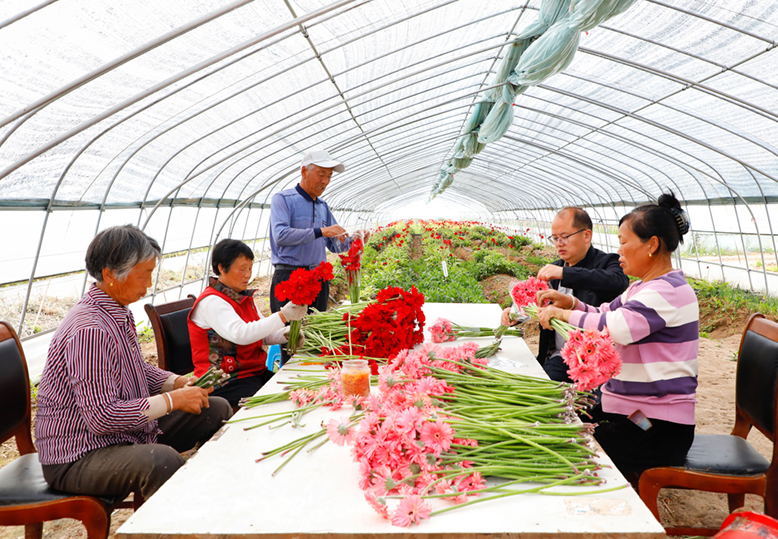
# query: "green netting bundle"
[[470, 145], [461, 162], [544, 48], [554, 50], [477, 117], [587, 14], [548, 55], [497, 123], [508, 64]]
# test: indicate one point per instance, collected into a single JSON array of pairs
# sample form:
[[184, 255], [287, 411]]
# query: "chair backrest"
[[757, 377], [171, 332], [14, 391]]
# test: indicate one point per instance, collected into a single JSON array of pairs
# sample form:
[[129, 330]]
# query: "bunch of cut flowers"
[[442, 421], [444, 330], [376, 329], [302, 288], [589, 354], [351, 262]]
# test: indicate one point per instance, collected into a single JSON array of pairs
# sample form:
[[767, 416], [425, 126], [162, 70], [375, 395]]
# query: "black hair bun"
[[673, 207]]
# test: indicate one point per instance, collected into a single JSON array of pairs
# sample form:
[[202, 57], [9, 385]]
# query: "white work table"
[[222, 492]]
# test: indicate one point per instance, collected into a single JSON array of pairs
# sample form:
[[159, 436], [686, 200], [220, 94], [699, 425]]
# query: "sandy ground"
[[715, 414]]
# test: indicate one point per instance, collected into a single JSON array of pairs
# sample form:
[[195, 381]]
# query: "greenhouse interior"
[[462, 127]]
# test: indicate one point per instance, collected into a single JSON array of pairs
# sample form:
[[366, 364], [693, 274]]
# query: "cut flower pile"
[[441, 422], [376, 329]]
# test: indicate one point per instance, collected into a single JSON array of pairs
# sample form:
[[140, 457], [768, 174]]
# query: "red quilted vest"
[[208, 348]]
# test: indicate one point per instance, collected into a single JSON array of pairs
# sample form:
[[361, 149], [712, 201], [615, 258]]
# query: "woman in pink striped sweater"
[[646, 417]]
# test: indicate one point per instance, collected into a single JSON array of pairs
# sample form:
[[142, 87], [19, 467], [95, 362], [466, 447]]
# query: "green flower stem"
[[540, 488]]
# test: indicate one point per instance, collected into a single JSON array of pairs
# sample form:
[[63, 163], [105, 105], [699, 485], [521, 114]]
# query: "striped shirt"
[[296, 221], [95, 384], [655, 326]]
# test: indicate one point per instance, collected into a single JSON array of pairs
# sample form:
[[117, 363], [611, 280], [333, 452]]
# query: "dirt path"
[[416, 249]]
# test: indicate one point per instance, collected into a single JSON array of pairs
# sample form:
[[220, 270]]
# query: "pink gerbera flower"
[[377, 503], [339, 431], [410, 511], [437, 436]]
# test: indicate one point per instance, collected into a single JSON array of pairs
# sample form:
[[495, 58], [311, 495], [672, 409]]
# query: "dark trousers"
[[321, 303], [556, 369], [117, 470], [633, 449]]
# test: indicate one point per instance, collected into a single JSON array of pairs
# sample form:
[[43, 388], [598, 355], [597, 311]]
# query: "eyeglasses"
[[562, 240]]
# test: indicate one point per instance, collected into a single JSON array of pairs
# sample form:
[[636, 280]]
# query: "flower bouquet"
[[377, 329], [351, 262], [524, 293], [302, 288], [589, 354], [444, 330]]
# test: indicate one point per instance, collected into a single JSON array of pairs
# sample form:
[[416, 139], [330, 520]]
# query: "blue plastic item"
[[274, 358]]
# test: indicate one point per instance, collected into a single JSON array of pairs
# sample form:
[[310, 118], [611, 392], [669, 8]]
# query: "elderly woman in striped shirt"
[[108, 423], [646, 417]]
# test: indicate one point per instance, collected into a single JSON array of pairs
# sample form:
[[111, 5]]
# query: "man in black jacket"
[[594, 277]]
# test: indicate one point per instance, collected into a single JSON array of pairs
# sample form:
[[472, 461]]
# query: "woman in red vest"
[[226, 329]]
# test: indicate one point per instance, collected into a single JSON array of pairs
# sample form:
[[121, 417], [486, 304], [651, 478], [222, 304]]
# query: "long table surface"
[[222, 492]]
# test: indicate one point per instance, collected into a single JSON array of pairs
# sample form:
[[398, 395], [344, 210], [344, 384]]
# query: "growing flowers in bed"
[[302, 288]]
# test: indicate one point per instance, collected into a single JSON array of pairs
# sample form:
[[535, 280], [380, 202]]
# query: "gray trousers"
[[118, 470]]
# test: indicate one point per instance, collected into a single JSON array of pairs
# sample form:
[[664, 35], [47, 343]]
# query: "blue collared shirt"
[[296, 221]]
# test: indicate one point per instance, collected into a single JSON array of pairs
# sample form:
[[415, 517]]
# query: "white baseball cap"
[[322, 159]]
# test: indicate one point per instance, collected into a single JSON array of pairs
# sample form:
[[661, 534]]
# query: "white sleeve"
[[276, 338], [213, 312]]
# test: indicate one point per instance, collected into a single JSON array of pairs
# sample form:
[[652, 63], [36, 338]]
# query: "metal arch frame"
[[235, 153], [220, 57], [110, 112], [84, 79], [31, 109], [278, 131], [723, 182], [755, 36]]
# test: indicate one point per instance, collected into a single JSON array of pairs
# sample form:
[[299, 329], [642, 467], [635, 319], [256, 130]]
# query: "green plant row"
[[387, 260]]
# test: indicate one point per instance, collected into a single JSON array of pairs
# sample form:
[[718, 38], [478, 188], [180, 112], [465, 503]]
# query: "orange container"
[[355, 377], [748, 525]]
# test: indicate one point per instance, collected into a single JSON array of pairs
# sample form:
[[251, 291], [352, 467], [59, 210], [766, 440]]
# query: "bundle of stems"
[[527, 428], [211, 377], [326, 329], [561, 327], [498, 332]]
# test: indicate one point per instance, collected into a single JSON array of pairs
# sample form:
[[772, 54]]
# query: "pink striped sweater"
[[655, 326]]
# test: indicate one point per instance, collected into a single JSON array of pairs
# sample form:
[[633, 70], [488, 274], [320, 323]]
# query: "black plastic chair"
[[25, 497], [727, 463], [171, 333]]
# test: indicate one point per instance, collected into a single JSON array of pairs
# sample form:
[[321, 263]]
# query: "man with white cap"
[[302, 226]]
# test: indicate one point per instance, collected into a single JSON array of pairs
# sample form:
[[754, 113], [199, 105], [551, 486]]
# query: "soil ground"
[[714, 415]]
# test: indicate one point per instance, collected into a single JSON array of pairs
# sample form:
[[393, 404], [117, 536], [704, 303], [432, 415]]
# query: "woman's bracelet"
[[281, 316], [575, 302], [169, 400]]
